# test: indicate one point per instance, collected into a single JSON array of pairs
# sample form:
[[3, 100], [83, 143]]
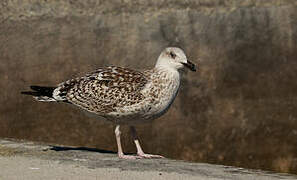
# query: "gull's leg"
[[139, 149], [120, 150]]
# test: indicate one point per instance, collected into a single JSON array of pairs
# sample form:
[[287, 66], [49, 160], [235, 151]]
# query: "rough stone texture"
[[239, 109], [28, 160]]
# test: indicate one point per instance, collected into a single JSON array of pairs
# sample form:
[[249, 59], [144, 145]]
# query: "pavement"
[[32, 160]]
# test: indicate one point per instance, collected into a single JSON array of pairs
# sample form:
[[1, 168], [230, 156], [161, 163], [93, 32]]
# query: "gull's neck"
[[164, 84], [165, 68], [170, 73]]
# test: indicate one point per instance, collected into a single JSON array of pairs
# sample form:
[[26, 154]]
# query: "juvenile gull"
[[122, 95]]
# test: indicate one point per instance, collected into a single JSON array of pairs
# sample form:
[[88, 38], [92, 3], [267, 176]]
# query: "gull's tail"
[[41, 93]]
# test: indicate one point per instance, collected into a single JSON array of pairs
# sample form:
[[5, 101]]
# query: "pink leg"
[[120, 150], [140, 152]]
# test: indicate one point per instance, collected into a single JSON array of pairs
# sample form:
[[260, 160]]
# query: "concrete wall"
[[239, 109]]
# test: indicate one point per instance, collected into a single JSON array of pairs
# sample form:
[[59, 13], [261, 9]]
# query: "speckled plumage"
[[123, 95], [120, 94]]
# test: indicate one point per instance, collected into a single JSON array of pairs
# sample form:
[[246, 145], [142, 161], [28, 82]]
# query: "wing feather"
[[104, 89]]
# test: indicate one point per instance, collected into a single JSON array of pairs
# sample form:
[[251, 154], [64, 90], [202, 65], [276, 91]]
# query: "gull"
[[122, 95]]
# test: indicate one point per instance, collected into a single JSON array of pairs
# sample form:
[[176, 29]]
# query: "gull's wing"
[[104, 89]]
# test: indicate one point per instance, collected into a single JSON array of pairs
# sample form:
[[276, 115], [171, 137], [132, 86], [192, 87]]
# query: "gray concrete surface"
[[34, 161]]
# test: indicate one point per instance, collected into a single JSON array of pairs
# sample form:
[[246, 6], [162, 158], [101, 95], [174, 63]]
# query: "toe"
[[129, 157], [150, 156]]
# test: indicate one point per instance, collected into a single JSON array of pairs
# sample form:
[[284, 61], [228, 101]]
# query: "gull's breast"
[[162, 95], [159, 94]]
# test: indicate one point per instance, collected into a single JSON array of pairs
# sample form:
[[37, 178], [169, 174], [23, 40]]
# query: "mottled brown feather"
[[105, 89]]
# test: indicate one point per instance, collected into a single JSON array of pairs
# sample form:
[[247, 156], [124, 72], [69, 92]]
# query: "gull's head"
[[173, 57]]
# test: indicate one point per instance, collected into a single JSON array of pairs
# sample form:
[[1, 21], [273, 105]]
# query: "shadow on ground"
[[63, 148]]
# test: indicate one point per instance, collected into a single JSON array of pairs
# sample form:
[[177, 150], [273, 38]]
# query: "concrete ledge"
[[29, 160]]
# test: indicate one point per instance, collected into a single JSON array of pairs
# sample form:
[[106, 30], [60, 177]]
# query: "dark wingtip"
[[39, 91], [35, 88]]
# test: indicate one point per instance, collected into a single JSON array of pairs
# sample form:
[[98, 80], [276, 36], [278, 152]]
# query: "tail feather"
[[41, 93]]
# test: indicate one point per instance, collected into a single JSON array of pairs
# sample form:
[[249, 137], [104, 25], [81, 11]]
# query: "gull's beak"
[[190, 65]]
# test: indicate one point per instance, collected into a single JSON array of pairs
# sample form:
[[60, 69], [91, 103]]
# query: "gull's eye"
[[172, 54]]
